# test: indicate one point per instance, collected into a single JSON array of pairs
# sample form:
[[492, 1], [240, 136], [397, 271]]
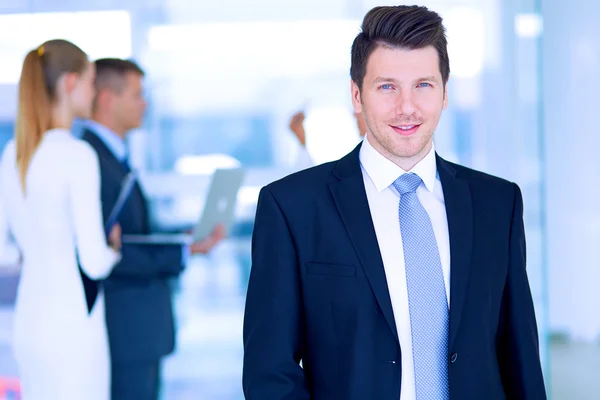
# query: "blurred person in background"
[[392, 274], [50, 202], [138, 296], [296, 125]]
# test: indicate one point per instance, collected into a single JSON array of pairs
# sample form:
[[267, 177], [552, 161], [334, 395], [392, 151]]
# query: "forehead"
[[403, 64]]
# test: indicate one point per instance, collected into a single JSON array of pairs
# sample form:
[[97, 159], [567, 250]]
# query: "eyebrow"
[[383, 79], [423, 79], [428, 78]]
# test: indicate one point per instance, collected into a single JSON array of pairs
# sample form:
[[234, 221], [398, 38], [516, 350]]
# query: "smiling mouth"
[[406, 129]]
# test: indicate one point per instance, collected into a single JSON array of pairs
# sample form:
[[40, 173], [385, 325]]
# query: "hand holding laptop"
[[203, 246], [216, 219], [114, 237]]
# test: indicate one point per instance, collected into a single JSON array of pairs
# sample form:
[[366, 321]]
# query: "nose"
[[405, 104]]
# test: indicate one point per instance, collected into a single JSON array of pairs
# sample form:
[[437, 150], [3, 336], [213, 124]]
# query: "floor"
[[207, 364]]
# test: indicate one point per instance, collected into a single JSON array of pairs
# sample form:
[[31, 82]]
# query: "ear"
[[445, 101], [102, 98], [356, 100]]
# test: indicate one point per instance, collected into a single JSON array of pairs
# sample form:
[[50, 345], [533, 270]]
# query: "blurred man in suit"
[[138, 298], [391, 273]]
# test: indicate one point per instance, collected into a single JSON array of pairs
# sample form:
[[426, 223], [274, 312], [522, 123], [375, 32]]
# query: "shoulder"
[[83, 154], [302, 184], [478, 176], [483, 184], [84, 149]]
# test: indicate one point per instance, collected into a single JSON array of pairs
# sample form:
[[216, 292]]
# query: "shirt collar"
[[383, 172], [113, 141]]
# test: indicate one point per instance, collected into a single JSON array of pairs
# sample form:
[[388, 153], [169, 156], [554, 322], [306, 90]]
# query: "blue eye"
[[424, 84], [386, 87]]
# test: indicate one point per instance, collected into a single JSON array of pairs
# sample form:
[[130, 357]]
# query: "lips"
[[406, 129]]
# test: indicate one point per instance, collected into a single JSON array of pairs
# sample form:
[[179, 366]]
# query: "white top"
[[57, 222], [379, 173], [61, 209]]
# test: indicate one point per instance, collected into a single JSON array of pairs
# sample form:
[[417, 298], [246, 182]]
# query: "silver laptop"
[[218, 209]]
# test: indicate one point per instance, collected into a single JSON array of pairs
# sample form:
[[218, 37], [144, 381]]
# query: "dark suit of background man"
[[139, 316], [391, 273]]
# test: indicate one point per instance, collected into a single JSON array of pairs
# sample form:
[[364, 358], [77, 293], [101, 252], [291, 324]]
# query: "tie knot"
[[407, 183]]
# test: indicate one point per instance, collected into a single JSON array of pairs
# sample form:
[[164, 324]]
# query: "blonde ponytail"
[[34, 115]]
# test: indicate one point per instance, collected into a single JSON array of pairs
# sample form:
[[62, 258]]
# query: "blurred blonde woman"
[[50, 202]]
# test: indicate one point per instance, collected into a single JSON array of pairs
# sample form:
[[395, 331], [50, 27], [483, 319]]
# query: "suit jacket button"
[[453, 358]]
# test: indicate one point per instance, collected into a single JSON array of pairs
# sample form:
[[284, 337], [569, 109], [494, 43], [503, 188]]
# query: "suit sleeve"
[[273, 328], [142, 261], [518, 347], [96, 257]]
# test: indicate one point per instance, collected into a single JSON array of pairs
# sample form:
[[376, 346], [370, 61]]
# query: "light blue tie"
[[427, 302]]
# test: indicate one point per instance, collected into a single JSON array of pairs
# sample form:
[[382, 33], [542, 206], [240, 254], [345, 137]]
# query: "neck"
[[406, 163], [110, 124], [62, 118]]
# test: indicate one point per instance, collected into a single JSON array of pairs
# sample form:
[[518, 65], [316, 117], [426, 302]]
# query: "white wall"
[[571, 82]]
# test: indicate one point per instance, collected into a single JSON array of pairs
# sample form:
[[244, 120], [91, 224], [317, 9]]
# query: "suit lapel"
[[459, 211], [349, 194], [119, 171], [104, 152]]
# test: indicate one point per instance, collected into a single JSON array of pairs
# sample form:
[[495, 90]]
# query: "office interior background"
[[224, 78]]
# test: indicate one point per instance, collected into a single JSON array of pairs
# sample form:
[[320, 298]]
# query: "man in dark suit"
[[391, 273], [139, 316]]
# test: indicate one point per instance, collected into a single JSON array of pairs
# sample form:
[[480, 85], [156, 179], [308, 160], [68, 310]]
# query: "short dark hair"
[[404, 27], [111, 72]]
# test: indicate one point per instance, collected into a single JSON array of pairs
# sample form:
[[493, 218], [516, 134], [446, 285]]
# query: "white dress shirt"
[[379, 173], [115, 143]]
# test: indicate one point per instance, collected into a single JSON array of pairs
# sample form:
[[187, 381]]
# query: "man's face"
[[401, 99], [129, 105]]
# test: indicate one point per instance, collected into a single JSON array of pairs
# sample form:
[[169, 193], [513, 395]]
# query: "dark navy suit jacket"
[[318, 292], [139, 313]]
